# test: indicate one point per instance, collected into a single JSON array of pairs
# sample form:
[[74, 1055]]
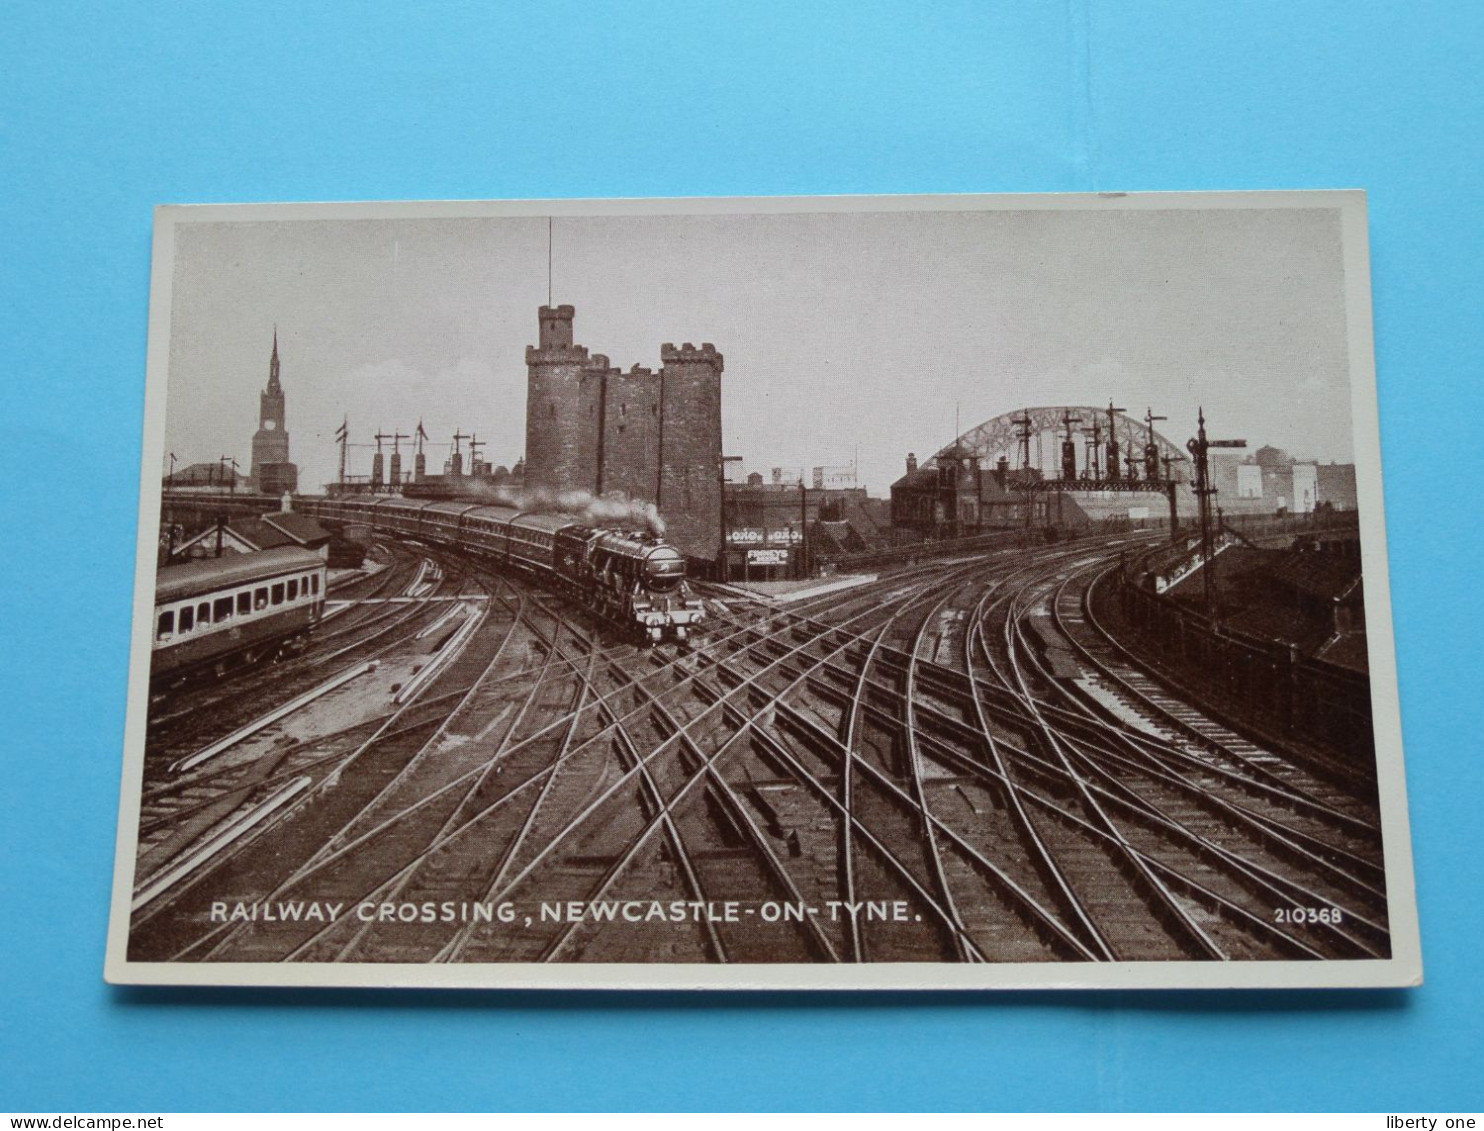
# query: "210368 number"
[[1309, 915]]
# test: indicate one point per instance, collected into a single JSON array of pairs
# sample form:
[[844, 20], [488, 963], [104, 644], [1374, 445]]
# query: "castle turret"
[[689, 490], [562, 399], [649, 437], [631, 433], [556, 327]]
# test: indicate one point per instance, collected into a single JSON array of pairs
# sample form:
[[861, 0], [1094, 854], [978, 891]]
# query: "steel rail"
[[738, 812], [1206, 741], [708, 765], [914, 759], [232, 929], [1056, 811], [1011, 889], [853, 712], [325, 860], [1194, 933], [748, 726], [1142, 809], [478, 782], [1233, 817], [452, 951]]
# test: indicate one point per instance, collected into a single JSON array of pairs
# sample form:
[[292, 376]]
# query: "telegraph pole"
[[1204, 493], [419, 461], [1170, 486], [342, 436], [456, 461], [1069, 445], [1023, 432], [1151, 446], [396, 439], [1024, 429], [474, 446], [376, 463], [1094, 448], [1114, 471], [804, 524]]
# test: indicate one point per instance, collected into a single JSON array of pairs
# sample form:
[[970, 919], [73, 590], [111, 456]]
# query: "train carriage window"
[[166, 625], [314, 584], [278, 594], [244, 603], [187, 619], [203, 613], [260, 599], [221, 609], [293, 589]]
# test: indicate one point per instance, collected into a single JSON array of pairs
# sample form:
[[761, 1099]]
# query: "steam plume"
[[608, 510]]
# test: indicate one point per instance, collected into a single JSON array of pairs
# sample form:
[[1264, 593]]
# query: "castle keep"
[[649, 436]]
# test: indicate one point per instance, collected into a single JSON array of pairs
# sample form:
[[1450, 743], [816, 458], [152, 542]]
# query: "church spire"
[[273, 386]]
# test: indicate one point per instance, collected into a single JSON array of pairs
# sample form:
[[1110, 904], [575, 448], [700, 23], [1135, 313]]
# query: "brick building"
[[648, 436], [957, 497], [779, 530]]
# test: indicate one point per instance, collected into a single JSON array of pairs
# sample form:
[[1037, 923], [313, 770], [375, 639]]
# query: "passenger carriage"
[[238, 609], [634, 579]]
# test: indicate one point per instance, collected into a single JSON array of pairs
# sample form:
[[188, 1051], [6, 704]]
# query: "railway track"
[[357, 729], [955, 763]]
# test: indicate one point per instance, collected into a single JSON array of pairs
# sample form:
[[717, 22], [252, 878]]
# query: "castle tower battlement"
[[704, 354], [688, 492], [556, 326], [561, 407], [648, 435], [631, 433]]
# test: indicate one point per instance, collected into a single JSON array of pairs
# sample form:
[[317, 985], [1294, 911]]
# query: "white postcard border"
[[1403, 968]]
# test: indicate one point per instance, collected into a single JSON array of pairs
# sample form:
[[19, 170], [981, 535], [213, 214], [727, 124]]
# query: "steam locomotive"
[[633, 579]]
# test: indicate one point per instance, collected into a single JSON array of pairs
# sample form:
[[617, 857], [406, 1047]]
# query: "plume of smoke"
[[612, 510]]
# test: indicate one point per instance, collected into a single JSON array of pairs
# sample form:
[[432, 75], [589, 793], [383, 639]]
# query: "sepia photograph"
[[833, 593]]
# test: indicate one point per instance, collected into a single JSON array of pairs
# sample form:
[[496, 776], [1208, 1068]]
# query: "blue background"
[[107, 110]]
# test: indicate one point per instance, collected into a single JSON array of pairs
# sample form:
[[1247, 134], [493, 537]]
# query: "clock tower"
[[271, 470]]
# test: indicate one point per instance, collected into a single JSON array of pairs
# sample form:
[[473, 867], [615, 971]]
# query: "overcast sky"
[[839, 330]]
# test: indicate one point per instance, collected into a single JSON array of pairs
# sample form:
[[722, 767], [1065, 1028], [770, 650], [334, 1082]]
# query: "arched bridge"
[[1005, 436]]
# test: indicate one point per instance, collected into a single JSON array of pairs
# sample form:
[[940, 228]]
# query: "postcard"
[[798, 593]]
